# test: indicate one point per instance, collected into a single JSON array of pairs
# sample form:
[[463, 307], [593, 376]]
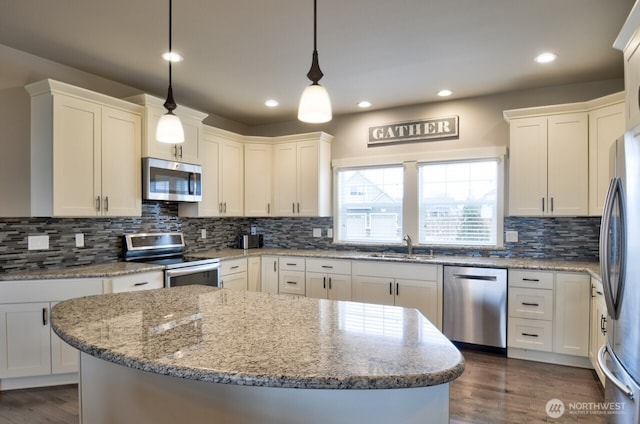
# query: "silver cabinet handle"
[[390, 288], [530, 335], [329, 283], [106, 204], [44, 316], [551, 204], [225, 207], [327, 266], [268, 208], [293, 208], [235, 267], [292, 282], [221, 284], [533, 280], [141, 284], [543, 204], [298, 207], [274, 266], [220, 207], [603, 366], [175, 151], [98, 203], [530, 304], [290, 264], [324, 282], [181, 151], [397, 289]]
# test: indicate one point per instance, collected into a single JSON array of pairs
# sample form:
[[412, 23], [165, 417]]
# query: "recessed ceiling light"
[[364, 104], [271, 103], [445, 93], [172, 56], [546, 57]]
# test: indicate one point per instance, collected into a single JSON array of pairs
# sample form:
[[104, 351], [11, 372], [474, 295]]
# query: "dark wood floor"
[[492, 389]]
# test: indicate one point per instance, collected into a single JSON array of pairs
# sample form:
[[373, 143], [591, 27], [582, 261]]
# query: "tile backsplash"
[[544, 238]]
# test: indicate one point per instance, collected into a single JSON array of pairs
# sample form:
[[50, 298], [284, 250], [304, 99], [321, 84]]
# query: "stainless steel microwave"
[[173, 181]]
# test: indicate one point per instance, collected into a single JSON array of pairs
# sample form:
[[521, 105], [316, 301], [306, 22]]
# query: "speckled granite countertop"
[[112, 269], [123, 268], [257, 339], [592, 268]]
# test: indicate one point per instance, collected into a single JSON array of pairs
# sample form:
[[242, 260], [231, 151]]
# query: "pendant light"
[[169, 129], [315, 106]]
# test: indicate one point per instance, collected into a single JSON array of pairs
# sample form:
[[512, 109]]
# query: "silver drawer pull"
[[530, 304], [235, 267], [288, 264], [292, 282], [327, 266], [530, 335], [141, 284], [533, 280]]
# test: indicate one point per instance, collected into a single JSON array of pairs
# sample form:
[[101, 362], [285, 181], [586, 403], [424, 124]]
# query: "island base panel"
[[112, 393]]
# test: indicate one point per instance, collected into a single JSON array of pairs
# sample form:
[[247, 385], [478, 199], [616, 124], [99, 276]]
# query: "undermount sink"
[[425, 257]]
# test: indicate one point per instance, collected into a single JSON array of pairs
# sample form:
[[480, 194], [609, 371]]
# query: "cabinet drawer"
[[135, 282], [291, 263], [531, 279], [232, 266], [329, 266], [531, 303], [48, 290], [291, 282], [530, 334]]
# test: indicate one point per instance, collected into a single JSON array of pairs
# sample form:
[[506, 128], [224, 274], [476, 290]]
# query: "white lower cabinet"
[[328, 279], [598, 332], [233, 274], [269, 274], [549, 316], [407, 285], [253, 274], [291, 276], [32, 355]]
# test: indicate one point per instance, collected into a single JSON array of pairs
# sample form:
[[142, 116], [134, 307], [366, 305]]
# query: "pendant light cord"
[[315, 74], [170, 104]]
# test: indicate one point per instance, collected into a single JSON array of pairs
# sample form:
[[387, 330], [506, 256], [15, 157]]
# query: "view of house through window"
[[370, 204], [458, 203]]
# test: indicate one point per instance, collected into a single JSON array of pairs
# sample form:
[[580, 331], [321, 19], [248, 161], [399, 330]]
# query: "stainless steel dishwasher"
[[475, 306]]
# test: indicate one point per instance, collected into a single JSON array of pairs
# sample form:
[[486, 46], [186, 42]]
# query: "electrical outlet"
[[254, 230], [511, 236], [317, 232], [38, 242], [203, 233], [79, 240], [330, 232]]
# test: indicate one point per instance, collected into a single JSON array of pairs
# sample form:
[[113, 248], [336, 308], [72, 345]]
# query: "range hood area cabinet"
[[222, 160], [558, 155], [85, 153], [191, 123], [302, 175]]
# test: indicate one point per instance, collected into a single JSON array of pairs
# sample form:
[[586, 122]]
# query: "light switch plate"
[[203, 233], [317, 232], [79, 240], [330, 232], [38, 242], [511, 236]]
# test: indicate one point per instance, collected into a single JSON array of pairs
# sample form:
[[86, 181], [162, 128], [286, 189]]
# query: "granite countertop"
[[112, 269], [257, 339], [593, 268]]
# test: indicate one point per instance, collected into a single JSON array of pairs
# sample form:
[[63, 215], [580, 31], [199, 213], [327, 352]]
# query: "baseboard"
[[549, 357], [38, 381]]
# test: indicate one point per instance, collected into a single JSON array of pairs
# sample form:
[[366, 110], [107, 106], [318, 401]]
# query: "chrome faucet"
[[409, 244]]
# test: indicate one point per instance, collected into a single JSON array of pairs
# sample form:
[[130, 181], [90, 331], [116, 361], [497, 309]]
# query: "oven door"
[[206, 274]]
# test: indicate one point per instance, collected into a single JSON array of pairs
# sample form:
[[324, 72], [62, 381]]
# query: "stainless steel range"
[[168, 249]]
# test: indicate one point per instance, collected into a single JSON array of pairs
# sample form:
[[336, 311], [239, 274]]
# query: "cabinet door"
[[258, 179], [183, 152], [307, 175], [232, 177], [76, 157], [605, 126], [189, 150], [292, 282], [339, 287], [571, 320], [121, 165], [209, 206], [527, 166], [237, 281], [377, 290], [25, 336], [568, 164], [285, 179], [253, 274], [316, 285], [632, 81], [419, 294], [269, 275], [64, 358]]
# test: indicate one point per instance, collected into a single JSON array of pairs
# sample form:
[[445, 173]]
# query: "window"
[[458, 203], [369, 204]]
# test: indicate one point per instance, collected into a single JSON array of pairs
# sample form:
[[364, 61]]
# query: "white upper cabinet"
[[559, 157], [258, 179], [222, 160], [85, 148], [628, 41], [606, 124], [191, 123], [302, 175]]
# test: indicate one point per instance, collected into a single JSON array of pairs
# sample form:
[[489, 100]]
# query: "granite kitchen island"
[[197, 354]]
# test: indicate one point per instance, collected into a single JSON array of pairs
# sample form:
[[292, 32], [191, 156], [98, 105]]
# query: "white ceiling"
[[238, 53]]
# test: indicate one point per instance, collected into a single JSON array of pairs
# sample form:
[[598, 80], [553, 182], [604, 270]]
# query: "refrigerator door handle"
[[603, 366], [613, 193]]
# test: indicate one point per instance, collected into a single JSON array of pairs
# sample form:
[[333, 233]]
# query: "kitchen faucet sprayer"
[[409, 244]]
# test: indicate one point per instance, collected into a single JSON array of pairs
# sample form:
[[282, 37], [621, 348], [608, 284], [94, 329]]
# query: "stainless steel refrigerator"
[[619, 358]]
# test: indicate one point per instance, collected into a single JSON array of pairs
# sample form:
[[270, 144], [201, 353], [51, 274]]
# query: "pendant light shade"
[[169, 129], [315, 105]]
